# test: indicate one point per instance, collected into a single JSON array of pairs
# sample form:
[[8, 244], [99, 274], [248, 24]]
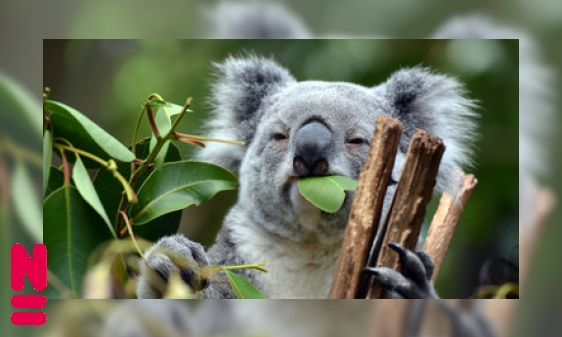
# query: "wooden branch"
[[445, 222], [413, 193], [366, 209]]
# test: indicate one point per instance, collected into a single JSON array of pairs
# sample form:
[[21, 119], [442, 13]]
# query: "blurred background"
[[25, 23]]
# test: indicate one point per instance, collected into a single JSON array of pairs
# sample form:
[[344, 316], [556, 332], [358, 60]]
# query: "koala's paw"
[[172, 254], [414, 280]]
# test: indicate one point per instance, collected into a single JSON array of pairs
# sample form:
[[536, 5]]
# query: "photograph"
[[228, 168]]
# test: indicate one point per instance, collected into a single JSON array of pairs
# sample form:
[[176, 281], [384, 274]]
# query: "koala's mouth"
[[299, 203], [312, 219]]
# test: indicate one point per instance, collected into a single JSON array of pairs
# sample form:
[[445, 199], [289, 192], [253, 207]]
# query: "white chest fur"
[[296, 269]]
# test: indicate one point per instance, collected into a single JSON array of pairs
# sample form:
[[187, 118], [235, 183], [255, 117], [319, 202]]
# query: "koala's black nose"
[[312, 143]]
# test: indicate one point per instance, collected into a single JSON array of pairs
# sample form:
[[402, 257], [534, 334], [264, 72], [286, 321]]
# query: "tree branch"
[[366, 209]]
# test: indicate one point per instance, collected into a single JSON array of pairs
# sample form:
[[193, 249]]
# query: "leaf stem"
[[46, 119], [82, 153], [182, 113], [210, 139], [65, 168], [257, 266], [130, 230], [152, 121], [110, 165], [150, 114], [129, 191]]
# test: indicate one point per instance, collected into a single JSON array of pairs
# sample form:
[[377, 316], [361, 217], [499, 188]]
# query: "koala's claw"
[[172, 254], [414, 280]]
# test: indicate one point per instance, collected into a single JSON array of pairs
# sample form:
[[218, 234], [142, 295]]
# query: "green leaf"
[[25, 201], [110, 191], [84, 134], [174, 109], [163, 121], [72, 232], [326, 193], [88, 192], [162, 117], [47, 157], [171, 108], [56, 180], [178, 185], [243, 288], [155, 229]]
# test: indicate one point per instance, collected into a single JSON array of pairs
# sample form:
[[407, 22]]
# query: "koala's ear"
[[241, 86], [437, 104]]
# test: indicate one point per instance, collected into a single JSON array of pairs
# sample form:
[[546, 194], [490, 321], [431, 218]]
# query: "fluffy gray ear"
[[437, 104], [240, 88]]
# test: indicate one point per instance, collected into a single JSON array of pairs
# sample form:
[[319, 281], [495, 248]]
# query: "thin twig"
[[131, 235]]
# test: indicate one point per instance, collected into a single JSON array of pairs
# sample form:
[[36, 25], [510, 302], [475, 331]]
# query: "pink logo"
[[36, 271]]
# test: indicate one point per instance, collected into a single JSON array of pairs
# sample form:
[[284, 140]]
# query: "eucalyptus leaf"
[[326, 193], [84, 134], [163, 121], [155, 229], [178, 185], [243, 288], [174, 109], [88, 192], [171, 108], [26, 205], [164, 125], [110, 192], [56, 180], [72, 232], [162, 118], [47, 157]]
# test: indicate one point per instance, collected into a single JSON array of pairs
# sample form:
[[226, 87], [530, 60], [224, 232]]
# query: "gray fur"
[[237, 94], [254, 99]]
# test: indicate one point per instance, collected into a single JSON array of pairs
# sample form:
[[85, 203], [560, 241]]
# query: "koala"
[[295, 129]]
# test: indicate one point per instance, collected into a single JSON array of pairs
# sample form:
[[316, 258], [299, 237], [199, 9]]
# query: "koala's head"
[[297, 129]]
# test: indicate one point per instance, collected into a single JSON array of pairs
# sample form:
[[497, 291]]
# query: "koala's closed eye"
[[280, 136], [356, 141]]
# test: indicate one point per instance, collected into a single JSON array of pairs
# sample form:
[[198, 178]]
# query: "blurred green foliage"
[[20, 186]]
